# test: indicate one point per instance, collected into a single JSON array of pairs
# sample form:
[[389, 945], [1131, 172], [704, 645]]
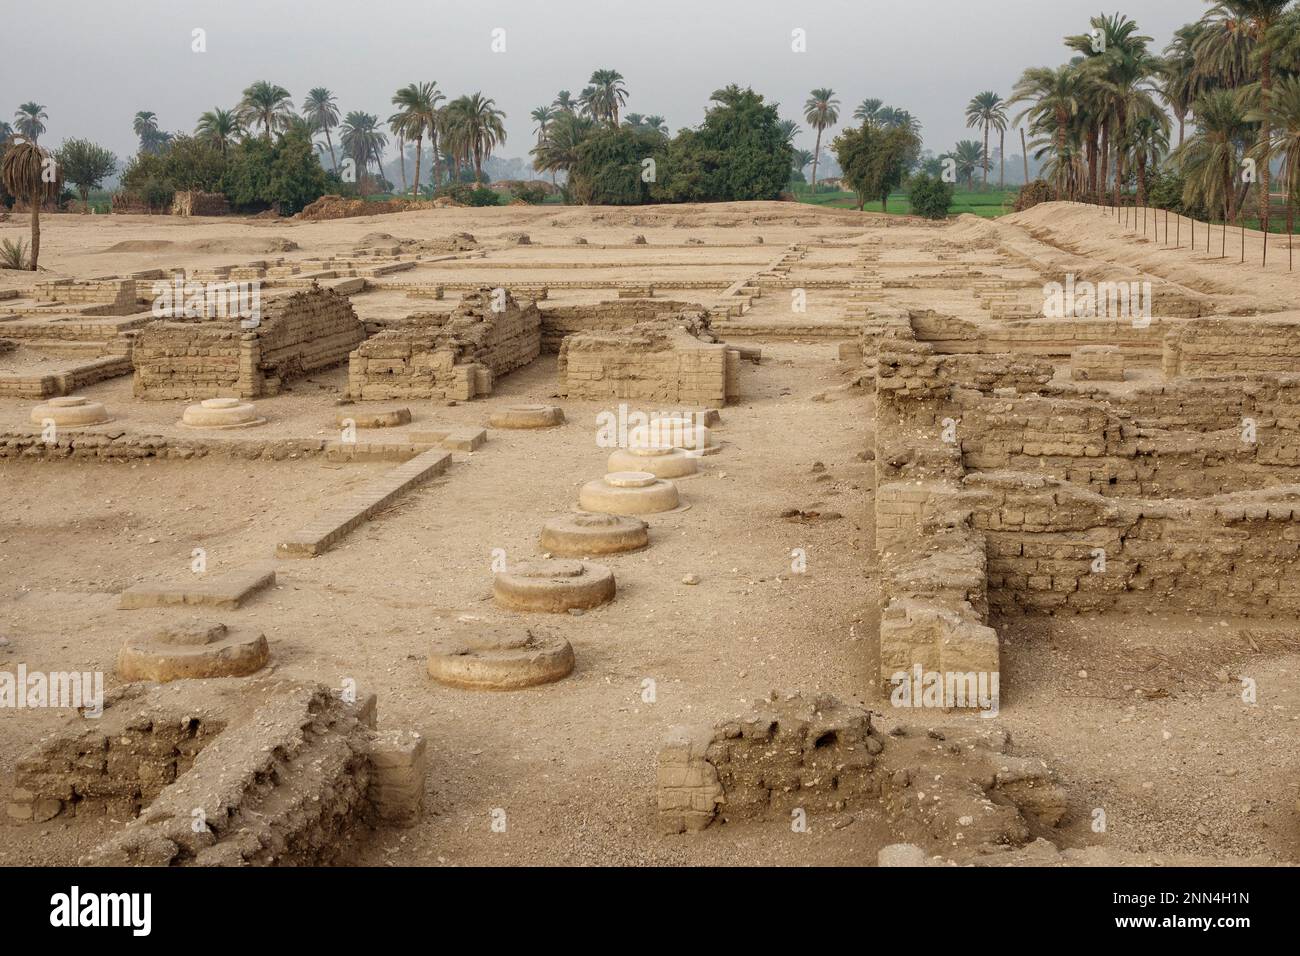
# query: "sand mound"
[[243, 245], [339, 207], [138, 245]]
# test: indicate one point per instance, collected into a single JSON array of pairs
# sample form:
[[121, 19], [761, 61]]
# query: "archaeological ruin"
[[752, 533]]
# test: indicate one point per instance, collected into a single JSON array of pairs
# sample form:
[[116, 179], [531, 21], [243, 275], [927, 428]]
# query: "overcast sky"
[[94, 63]]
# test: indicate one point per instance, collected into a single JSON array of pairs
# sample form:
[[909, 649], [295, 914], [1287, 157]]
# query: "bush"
[[931, 197], [13, 255], [482, 196], [531, 193]]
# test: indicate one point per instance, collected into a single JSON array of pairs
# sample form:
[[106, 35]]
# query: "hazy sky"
[[94, 63]]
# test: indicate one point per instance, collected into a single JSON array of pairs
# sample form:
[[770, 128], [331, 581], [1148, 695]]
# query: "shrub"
[[931, 196], [13, 255]]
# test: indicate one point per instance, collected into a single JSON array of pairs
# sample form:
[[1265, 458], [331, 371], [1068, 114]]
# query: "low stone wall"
[[229, 772], [1235, 347], [1056, 547], [652, 364], [452, 357], [122, 294], [298, 333], [561, 320]]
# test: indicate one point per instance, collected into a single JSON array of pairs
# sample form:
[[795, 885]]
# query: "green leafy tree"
[[85, 165], [875, 160], [930, 196]]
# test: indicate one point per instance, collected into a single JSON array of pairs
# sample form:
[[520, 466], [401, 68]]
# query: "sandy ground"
[[1155, 734]]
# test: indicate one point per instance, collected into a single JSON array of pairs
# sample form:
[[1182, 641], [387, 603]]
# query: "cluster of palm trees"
[[563, 123], [822, 111], [1105, 120], [461, 133]]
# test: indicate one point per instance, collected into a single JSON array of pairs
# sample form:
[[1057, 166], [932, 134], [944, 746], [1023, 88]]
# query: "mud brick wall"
[[456, 357], [64, 383], [107, 769], [1143, 345], [934, 602], [814, 754], [192, 360], [664, 365], [1238, 347], [193, 203], [115, 292], [305, 331], [298, 333], [1236, 553], [561, 320], [276, 772], [1097, 363], [1182, 440]]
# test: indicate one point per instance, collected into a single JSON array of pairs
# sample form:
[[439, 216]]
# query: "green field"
[[990, 204]]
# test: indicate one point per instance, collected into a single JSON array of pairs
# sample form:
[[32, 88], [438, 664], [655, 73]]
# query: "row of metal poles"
[[1127, 213]]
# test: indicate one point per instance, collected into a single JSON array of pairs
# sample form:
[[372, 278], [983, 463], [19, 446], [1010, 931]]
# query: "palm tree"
[[362, 142], [1053, 96], [29, 173], [416, 118], [1256, 20], [29, 120], [969, 156], [1181, 81], [801, 159], [145, 126], [479, 128], [1209, 158], [219, 128], [656, 124], [988, 111], [564, 101], [267, 105], [558, 152], [609, 94], [1148, 141], [868, 111], [789, 130], [821, 111], [5, 132], [543, 117], [321, 111], [1282, 114], [891, 118]]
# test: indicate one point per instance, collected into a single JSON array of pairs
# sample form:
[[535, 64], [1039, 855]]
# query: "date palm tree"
[[5, 131], [321, 110], [219, 128], [558, 151], [1257, 21], [145, 126], [267, 105], [821, 111], [1210, 157], [362, 141], [609, 94], [969, 156], [30, 173], [417, 117], [1282, 114], [868, 111], [29, 120], [1180, 80], [656, 124], [986, 110], [1053, 96], [479, 128], [564, 101]]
